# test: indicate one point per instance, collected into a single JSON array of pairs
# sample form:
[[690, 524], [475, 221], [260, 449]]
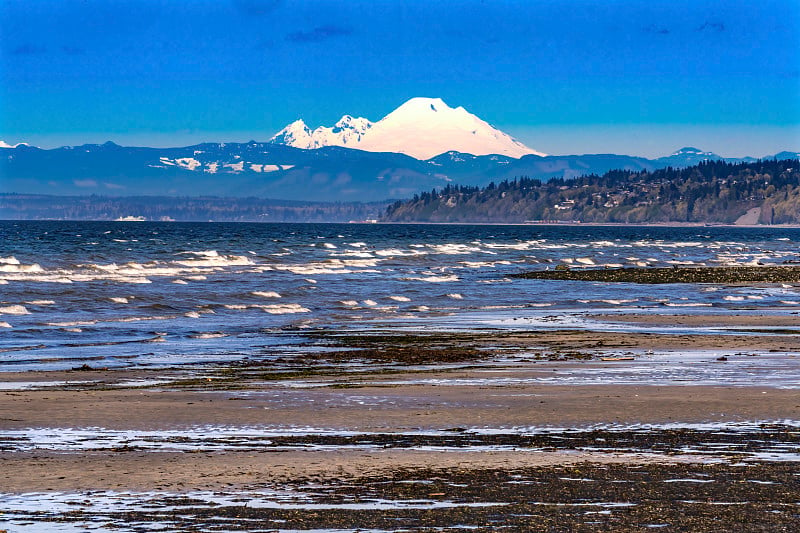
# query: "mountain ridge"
[[267, 170]]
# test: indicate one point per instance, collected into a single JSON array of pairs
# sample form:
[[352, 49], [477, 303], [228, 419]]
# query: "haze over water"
[[132, 294]]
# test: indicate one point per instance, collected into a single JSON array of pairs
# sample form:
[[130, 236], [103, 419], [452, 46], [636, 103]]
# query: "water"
[[155, 294]]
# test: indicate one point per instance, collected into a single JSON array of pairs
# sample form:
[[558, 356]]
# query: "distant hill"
[[268, 170], [766, 192]]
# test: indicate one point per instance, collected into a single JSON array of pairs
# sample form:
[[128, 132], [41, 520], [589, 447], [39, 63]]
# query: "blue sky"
[[642, 78]]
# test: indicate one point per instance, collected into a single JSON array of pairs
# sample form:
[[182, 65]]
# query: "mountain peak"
[[423, 104], [421, 127], [689, 150]]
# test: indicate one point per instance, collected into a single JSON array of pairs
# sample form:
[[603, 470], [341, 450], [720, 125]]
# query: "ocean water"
[[121, 294]]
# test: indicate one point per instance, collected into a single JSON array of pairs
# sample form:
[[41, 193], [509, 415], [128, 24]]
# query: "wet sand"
[[398, 408], [409, 422]]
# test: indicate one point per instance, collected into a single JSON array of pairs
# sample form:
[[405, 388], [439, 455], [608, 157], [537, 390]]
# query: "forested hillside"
[[711, 192]]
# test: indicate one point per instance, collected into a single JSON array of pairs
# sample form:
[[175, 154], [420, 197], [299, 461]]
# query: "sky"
[[565, 77]]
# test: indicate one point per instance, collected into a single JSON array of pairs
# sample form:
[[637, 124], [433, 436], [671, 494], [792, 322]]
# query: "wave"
[[18, 268], [266, 294], [14, 310], [434, 279], [215, 335], [285, 309]]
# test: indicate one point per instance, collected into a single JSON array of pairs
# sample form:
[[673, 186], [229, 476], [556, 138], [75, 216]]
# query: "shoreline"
[[423, 223]]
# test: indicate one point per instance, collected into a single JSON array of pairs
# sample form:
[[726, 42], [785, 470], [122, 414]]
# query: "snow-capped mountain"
[[688, 156], [347, 132], [422, 128]]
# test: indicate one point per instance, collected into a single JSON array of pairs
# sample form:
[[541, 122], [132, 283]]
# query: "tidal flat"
[[418, 432]]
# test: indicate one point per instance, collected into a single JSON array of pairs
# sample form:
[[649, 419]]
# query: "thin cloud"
[[73, 50], [256, 8], [658, 30], [319, 34], [28, 49], [717, 27]]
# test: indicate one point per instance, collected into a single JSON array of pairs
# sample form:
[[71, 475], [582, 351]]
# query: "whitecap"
[[282, 309], [18, 268], [400, 298], [397, 252], [71, 324], [455, 296], [434, 279], [14, 310], [360, 263], [41, 302], [203, 253], [119, 299], [370, 302], [208, 335], [217, 261], [180, 282], [454, 249], [266, 294], [5, 325], [349, 303]]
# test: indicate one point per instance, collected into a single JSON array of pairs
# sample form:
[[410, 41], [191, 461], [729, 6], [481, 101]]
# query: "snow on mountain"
[[687, 156], [690, 151], [421, 127], [347, 132], [4, 144]]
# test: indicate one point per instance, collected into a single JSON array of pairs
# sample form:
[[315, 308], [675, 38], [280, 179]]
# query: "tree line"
[[710, 192]]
